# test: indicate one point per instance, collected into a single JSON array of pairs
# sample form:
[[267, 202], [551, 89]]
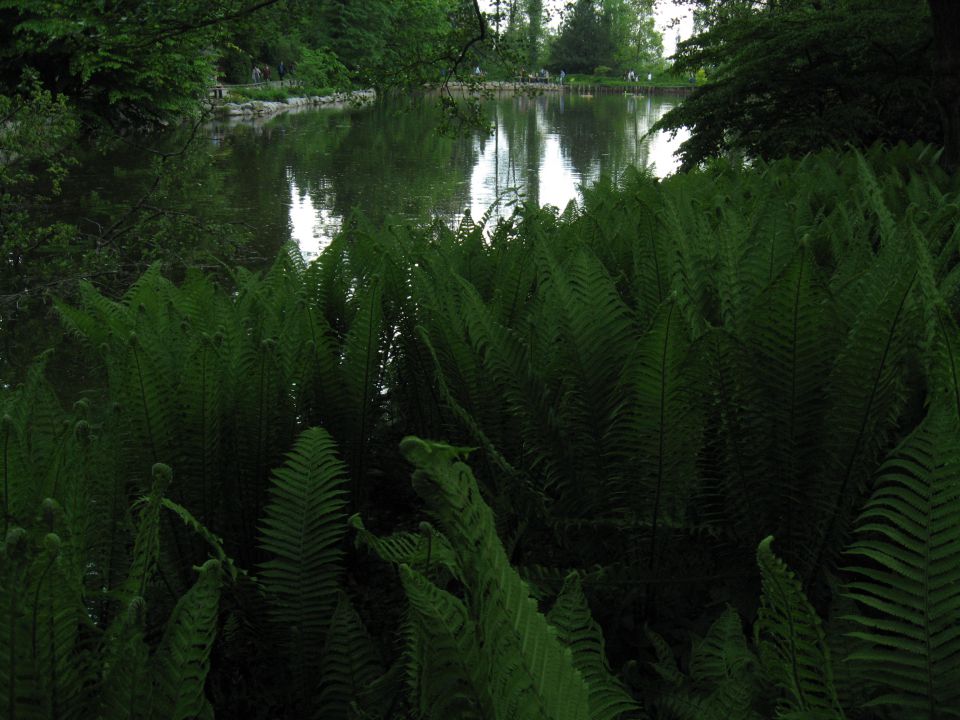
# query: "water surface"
[[300, 175], [305, 172]]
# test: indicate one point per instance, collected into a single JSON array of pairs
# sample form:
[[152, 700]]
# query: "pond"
[[300, 174], [314, 167]]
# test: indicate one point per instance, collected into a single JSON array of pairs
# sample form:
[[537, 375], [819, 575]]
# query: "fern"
[[146, 548], [183, 658], [302, 530], [722, 680], [795, 340], [528, 671], [577, 630], [909, 536], [666, 428], [360, 375], [126, 685], [349, 663], [866, 391], [422, 551], [791, 642], [445, 665]]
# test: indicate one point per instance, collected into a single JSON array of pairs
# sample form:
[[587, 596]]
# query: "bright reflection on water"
[[388, 162], [302, 175]]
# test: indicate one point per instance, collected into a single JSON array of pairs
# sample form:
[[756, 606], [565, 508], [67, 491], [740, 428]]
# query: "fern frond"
[[665, 427], [445, 666], [302, 531], [909, 543], [349, 665], [530, 672], [792, 646], [126, 685], [422, 551], [866, 392], [215, 542], [361, 369], [146, 547], [723, 652], [577, 629], [182, 661], [794, 336]]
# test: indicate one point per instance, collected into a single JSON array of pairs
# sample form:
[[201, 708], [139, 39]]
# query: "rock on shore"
[[256, 108]]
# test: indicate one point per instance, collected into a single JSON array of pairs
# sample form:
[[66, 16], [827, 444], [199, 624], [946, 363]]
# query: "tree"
[[634, 34], [126, 63], [791, 76], [945, 15], [586, 39], [534, 31]]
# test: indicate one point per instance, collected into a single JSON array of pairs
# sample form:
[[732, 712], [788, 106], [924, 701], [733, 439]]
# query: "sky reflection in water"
[[543, 149]]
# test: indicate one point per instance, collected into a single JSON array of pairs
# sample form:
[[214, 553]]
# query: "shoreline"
[[569, 87], [261, 108]]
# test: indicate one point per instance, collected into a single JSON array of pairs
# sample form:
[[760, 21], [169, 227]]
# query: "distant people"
[[256, 75], [477, 71], [649, 77], [266, 73], [281, 71], [563, 75]]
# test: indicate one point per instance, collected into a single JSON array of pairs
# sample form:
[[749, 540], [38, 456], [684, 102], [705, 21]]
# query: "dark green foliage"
[[183, 658], [906, 575], [790, 77], [791, 642], [576, 628], [302, 529], [523, 663], [349, 666], [118, 62], [586, 39], [723, 676], [647, 387]]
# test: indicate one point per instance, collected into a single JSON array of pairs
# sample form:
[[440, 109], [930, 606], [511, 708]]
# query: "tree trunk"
[[945, 15]]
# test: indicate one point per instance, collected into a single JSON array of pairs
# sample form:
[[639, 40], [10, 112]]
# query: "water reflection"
[[301, 175], [387, 161]]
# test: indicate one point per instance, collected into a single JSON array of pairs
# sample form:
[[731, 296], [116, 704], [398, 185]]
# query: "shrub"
[[321, 68]]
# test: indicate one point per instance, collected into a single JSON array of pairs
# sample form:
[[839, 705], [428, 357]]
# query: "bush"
[[602, 70], [268, 94], [321, 68]]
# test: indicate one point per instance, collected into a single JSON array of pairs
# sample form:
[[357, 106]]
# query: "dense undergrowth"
[[651, 385]]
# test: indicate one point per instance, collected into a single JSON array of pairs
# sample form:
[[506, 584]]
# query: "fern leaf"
[[183, 658], [360, 372], [531, 674], [444, 661], [909, 537], [422, 550], [665, 427], [791, 641], [215, 543], [146, 547], [125, 690], [349, 665], [302, 530], [577, 629], [866, 391], [795, 341], [666, 664]]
